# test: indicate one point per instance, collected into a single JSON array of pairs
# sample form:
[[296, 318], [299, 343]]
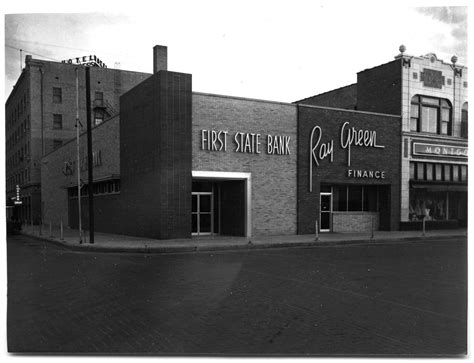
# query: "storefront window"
[[355, 198], [370, 199], [438, 172], [429, 171], [340, 198], [412, 171], [429, 205], [455, 172], [420, 171], [447, 172], [457, 206], [463, 173]]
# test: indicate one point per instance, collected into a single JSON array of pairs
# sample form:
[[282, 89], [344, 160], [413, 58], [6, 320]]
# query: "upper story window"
[[98, 118], [57, 121], [99, 98], [57, 95], [57, 144], [464, 120], [431, 115]]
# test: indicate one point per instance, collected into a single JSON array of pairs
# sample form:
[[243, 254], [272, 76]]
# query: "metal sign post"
[[316, 231], [78, 164], [89, 156]]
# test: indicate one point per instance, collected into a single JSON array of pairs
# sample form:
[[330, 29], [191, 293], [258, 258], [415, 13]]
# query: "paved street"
[[389, 298]]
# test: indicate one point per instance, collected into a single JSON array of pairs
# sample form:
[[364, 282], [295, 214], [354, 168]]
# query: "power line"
[[47, 44], [127, 55], [26, 50]]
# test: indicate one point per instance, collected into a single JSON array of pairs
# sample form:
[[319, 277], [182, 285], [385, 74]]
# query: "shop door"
[[325, 203], [202, 213]]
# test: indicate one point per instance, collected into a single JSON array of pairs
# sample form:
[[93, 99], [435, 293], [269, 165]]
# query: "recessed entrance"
[[221, 204]]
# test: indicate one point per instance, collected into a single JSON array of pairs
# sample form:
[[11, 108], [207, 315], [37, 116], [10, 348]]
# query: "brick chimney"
[[160, 58]]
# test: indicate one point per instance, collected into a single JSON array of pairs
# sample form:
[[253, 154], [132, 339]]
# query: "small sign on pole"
[[17, 199]]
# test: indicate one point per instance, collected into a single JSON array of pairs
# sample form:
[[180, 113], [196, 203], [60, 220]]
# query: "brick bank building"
[[176, 163]]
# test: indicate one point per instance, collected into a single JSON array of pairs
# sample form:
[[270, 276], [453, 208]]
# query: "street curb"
[[249, 246]]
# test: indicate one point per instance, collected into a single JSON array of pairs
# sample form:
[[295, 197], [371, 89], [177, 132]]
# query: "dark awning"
[[441, 187]]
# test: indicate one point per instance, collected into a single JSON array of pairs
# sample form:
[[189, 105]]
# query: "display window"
[[353, 198], [437, 205]]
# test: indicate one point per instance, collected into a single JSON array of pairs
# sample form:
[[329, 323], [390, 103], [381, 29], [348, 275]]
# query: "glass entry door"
[[325, 203], [202, 213]]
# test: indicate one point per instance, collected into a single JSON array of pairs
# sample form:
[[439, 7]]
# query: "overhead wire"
[[127, 55], [33, 53], [47, 44]]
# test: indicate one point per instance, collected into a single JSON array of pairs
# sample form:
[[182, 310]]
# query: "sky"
[[273, 50]]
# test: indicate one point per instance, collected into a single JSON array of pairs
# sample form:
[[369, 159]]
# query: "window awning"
[[440, 187]]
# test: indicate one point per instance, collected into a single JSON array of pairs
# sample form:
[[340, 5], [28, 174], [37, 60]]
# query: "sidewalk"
[[121, 243]]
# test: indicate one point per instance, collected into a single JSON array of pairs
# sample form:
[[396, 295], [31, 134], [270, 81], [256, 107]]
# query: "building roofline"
[[243, 98], [15, 86], [346, 110], [297, 105], [320, 94], [380, 65]]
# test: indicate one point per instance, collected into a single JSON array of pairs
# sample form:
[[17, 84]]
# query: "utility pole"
[[89, 155], [78, 164]]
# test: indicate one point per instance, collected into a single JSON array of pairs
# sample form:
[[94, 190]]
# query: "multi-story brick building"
[[41, 116], [430, 96], [190, 163]]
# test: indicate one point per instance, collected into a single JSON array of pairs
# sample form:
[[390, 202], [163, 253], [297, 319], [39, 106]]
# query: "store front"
[[348, 170], [438, 195], [340, 203]]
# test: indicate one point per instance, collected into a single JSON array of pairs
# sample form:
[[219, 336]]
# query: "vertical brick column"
[[175, 110], [155, 152]]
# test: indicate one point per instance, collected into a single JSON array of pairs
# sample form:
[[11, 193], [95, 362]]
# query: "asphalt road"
[[400, 298]]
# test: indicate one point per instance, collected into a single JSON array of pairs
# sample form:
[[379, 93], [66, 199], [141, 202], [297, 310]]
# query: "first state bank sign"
[[245, 142], [349, 137]]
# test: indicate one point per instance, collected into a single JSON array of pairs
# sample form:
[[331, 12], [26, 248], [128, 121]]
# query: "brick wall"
[[379, 89], [38, 79], [54, 183], [111, 82], [273, 196], [354, 221], [344, 97], [362, 158], [106, 218], [155, 152]]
